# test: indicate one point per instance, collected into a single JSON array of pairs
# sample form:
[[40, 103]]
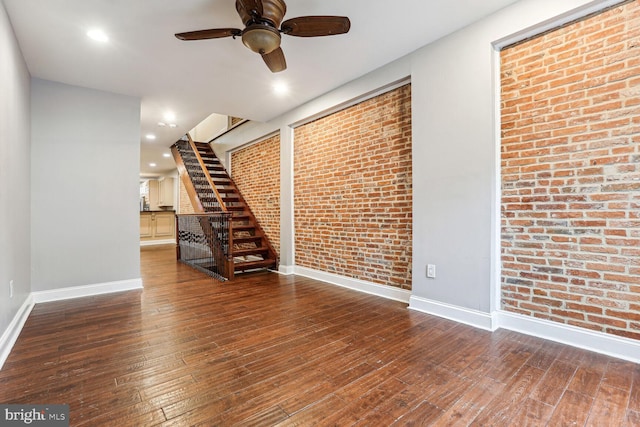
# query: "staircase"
[[211, 190]]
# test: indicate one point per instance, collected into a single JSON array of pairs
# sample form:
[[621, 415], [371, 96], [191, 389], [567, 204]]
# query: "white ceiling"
[[194, 79]]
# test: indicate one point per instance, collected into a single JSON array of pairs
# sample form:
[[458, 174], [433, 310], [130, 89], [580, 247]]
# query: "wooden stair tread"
[[253, 251], [247, 239], [250, 265], [247, 227]]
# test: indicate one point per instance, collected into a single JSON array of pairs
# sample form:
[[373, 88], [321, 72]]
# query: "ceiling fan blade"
[[251, 7], [214, 33], [314, 26], [275, 61]]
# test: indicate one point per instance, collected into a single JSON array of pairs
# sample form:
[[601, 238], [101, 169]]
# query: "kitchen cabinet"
[[157, 193], [165, 192], [160, 225], [146, 222], [164, 224]]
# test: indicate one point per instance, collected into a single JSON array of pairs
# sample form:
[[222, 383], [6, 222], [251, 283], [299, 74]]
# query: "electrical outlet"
[[431, 271], [10, 288]]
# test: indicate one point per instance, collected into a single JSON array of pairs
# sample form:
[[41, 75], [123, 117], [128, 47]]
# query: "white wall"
[[455, 149], [209, 128], [85, 217], [15, 253]]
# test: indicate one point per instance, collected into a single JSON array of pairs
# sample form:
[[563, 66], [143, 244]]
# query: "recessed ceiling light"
[[280, 88], [153, 165], [150, 136], [173, 125], [98, 35], [166, 155], [162, 124]]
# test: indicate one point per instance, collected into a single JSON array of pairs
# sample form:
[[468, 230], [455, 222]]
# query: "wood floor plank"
[[572, 410], [142, 410], [446, 394], [471, 403], [556, 379], [149, 391], [634, 398], [323, 411], [500, 410], [586, 380], [619, 374], [268, 349], [267, 417], [266, 401], [422, 415], [532, 413], [609, 407], [304, 398], [632, 419], [372, 399]]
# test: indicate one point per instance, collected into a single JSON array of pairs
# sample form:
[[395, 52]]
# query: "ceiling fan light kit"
[[261, 39], [262, 31]]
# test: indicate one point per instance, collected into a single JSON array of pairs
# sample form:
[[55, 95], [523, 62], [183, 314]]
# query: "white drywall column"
[[287, 225]]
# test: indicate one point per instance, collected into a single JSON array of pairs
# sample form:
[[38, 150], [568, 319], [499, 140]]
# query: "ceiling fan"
[[262, 20]]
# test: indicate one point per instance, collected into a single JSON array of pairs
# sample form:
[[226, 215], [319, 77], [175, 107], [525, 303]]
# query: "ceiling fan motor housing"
[[272, 11]]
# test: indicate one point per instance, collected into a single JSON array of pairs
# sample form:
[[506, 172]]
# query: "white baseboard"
[[467, 316], [157, 242], [287, 270], [86, 291], [599, 342], [388, 292], [10, 335]]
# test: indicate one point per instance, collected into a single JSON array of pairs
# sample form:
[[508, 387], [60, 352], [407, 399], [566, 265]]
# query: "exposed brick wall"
[[185, 206], [571, 174], [352, 191], [256, 171]]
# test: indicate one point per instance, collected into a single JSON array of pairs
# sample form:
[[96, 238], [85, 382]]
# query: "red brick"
[[352, 191], [570, 170]]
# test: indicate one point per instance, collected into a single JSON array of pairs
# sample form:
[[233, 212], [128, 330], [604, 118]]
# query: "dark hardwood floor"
[[276, 350]]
